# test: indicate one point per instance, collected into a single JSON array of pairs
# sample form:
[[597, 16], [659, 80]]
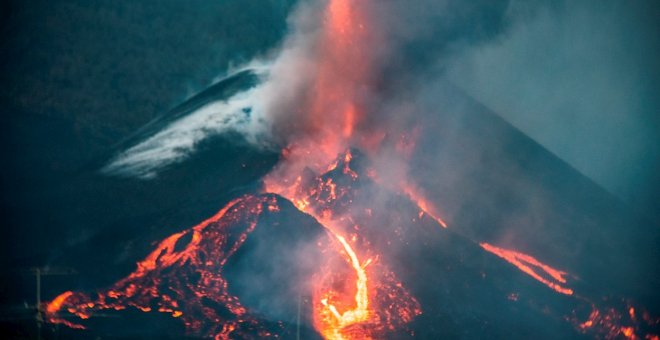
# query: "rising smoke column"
[[322, 121], [332, 108]]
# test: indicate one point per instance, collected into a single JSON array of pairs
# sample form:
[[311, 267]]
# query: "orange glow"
[[628, 332], [331, 104], [590, 321], [344, 62], [343, 310], [610, 323], [349, 121], [354, 296], [425, 206], [207, 248], [339, 16], [55, 305], [332, 114], [531, 267], [331, 320], [165, 255]]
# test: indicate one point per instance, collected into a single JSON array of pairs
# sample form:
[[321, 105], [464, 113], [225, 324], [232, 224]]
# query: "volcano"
[[439, 221], [229, 277]]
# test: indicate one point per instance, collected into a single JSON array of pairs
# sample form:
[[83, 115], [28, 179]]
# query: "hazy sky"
[[581, 78]]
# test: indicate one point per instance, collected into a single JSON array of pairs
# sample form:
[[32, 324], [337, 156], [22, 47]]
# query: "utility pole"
[[40, 318], [298, 319], [38, 272]]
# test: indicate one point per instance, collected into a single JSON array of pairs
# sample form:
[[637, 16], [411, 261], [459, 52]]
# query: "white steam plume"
[[250, 113], [180, 138]]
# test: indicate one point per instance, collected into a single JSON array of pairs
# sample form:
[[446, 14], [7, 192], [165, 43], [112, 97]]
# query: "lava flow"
[[376, 302], [332, 114], [530, 265], [354, 295], [423, 203], [604, 321], [183, 277], [355, 303]]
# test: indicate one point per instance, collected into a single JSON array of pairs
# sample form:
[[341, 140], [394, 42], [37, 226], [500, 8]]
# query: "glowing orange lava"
[[426, 207], [530, 266], [332, 113], [373, 301], [55, 305], [181, 276], [333, 321], [609, 323]]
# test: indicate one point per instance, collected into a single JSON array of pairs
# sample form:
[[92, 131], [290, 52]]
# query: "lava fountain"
[[332, 113]]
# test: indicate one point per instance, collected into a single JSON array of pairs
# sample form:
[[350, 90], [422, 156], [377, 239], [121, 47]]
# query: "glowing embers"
[[186, 276], [609, 323], [554, 278], [355, 296], [183, 278]]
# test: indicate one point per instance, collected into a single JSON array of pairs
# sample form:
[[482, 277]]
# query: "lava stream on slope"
[[355, 293]]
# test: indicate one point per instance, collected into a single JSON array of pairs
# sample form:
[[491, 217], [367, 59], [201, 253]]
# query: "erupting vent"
[[355, 294], [372, 258]]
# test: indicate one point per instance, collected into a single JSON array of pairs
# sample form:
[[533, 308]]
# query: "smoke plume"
[[312, 84]]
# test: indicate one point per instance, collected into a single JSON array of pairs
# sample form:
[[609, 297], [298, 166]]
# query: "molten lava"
[[424, 205], [531, 267], [367, 307], [331, 321], [183, 277], [604, 322], [354, 295], [609, 323]]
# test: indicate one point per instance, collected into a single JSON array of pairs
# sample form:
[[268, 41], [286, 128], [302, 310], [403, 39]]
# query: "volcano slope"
[[496, 185], [532, 247], [252, 271]]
